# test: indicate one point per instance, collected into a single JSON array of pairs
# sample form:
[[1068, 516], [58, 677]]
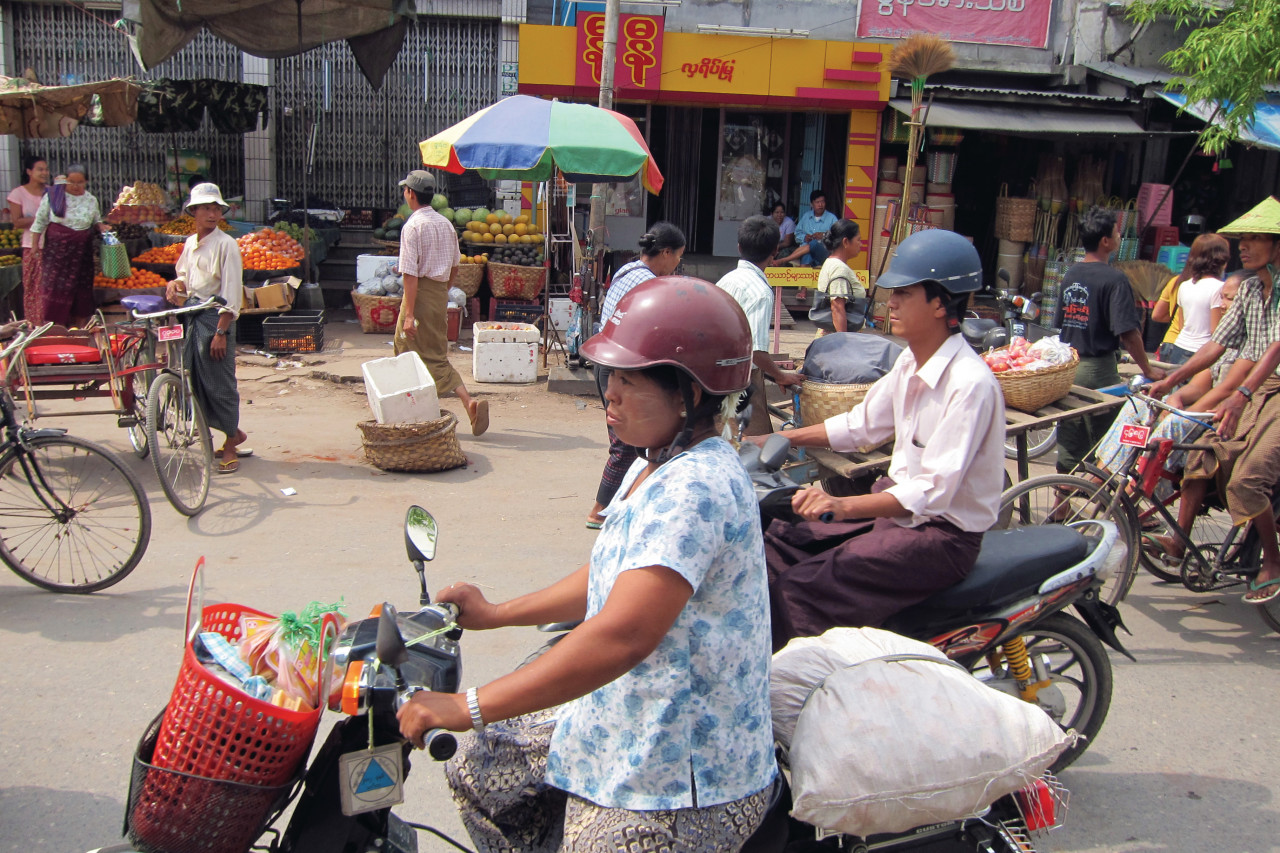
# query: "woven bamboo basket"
[[467, 278], [386, 244], [508, 281], [822, 400], [429, 446], [377, 314], [1029, 390]]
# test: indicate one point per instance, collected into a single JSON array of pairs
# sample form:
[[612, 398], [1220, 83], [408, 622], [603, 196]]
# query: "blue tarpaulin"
[[1263, 131]]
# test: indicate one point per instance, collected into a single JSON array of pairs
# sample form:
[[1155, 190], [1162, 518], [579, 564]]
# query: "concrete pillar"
[[259, 147]]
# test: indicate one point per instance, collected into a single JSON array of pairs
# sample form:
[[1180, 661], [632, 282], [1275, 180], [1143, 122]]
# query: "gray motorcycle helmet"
[[935, 255]]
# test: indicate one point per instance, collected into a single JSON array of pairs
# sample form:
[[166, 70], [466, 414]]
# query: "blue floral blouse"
[[690, 725]]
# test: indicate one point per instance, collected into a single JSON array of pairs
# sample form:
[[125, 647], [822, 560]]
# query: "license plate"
[[1133, 435], [169, 333], [371, 779]]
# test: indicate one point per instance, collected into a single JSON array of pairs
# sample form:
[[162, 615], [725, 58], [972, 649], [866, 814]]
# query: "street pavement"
[[1185, 762]]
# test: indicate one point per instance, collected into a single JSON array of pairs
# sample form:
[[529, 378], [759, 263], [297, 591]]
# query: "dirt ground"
[[1182, 751]]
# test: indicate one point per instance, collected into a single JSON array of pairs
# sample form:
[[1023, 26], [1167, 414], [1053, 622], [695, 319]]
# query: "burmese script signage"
[[1018, 23], [639, 61]]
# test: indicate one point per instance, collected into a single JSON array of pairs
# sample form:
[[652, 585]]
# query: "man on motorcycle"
[[944, 410], [1245, 461], [647, 727]]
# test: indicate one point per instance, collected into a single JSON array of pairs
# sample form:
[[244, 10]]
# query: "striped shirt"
[[623, 280], [750, 289], [428, 246], [1252, 323]]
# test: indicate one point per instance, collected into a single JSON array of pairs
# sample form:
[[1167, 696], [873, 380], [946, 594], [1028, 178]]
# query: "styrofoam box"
[[561, 312], [366, 265], [400, 390], [508, 353], [506, 333]]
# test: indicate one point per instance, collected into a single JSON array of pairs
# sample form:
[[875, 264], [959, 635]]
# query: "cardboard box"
[[276, 294]]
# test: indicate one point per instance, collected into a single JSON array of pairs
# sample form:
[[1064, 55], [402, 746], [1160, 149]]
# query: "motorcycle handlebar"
[[440, 744]]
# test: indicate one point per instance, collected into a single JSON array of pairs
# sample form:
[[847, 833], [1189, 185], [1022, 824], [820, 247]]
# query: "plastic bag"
[[457, 297], [1051, 350], [286, 652]]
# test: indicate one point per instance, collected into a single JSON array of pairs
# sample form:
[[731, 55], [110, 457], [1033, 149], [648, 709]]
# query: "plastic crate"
[[249, 329], [296, 331], [515, 311]]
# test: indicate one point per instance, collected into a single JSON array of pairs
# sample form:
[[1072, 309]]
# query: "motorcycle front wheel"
[[1070, 656]]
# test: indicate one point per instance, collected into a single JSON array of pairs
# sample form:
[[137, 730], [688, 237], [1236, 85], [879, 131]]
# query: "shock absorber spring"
[[1015, 651]]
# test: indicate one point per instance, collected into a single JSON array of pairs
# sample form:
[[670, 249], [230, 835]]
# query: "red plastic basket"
[[212, 733]]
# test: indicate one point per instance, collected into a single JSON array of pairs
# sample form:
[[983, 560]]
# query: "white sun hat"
[[206, 194]]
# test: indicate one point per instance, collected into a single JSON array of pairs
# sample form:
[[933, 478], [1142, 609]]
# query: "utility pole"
[[608, 58]]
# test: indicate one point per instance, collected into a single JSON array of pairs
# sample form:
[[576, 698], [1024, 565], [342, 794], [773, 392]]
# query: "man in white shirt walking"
[[757, 241], [920, 529]]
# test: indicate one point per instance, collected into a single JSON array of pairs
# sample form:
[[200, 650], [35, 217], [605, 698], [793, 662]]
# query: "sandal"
[[1272, 587], [228, 467], [480, 422]]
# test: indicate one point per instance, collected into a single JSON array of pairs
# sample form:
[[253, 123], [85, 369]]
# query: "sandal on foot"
[[244, 452], [1272, 588], [594, 525], [480, 422], [228, 467]]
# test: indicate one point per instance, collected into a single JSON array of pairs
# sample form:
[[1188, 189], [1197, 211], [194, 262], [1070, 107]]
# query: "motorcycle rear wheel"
[[1077, 664]]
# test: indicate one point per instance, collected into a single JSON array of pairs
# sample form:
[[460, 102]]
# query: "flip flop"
[[480, 422], [228, 467], [244, 452], [594, 525], [1273, 590]]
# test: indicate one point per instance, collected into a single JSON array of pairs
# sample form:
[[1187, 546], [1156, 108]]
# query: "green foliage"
[[1232, 52]]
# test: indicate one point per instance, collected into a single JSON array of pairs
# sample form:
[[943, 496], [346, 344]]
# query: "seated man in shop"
[[811, 230], [757, 241], [1245, 461], [920, 529]]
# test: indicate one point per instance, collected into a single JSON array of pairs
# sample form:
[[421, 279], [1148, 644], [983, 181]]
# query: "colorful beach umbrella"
[[526, 138]]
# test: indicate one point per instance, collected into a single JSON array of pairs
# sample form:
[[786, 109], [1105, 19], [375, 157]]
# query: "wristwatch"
[[1245, 392], [222, 333]]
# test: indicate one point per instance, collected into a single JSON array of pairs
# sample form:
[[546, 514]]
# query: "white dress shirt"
[[947, 421], [213, 267], [751, 290]]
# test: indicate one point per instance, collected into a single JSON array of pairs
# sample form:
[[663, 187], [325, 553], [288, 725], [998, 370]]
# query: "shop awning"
[[1025, 118], [1263, 132]]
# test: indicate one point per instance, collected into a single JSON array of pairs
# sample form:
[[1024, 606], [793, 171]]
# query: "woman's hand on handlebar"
[[475, 612], [426, 711], [813, 504], [1159, 389]]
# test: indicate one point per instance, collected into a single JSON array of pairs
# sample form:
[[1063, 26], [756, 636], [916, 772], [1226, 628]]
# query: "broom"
[[1147, 278], [920, 56]]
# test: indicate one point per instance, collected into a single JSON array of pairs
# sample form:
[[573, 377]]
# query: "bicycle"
[[73, 517], [1217, 554], [177, 435]]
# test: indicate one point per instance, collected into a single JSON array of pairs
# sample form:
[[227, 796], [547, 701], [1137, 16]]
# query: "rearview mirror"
[[420, 533], [774, 452]]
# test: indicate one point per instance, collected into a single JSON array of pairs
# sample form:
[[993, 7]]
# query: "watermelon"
[[393, 234], [380, 233], [479, 214], [404, 212], [462, 216], [439, 201]]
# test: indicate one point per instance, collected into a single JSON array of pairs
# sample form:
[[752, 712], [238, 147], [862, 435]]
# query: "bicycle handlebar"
[[189, 309], [22, 339], [1204, 419]]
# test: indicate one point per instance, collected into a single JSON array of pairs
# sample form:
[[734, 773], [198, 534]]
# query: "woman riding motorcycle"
[[647, 726]]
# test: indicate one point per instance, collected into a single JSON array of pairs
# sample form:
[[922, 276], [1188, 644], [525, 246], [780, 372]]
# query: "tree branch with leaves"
[[1232, 52]]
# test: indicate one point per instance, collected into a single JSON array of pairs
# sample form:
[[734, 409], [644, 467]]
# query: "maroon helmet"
[[681, 321]]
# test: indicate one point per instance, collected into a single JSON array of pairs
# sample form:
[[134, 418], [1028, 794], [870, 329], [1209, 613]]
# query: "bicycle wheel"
[[1061, 498], [81, 526], [1039, 442], [181, 448], [139, 383]]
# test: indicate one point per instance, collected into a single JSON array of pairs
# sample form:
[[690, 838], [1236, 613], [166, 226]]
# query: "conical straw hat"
[[1263, 219]]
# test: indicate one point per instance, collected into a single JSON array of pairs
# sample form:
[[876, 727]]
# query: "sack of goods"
[[885, 733]]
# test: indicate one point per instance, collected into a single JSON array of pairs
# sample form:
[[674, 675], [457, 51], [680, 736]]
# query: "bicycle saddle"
[[144, 303]]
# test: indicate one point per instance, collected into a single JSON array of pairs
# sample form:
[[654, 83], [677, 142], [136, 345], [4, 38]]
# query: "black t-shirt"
[[1095, 307]]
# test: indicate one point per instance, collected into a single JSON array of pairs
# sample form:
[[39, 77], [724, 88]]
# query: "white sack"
[[886, 746]]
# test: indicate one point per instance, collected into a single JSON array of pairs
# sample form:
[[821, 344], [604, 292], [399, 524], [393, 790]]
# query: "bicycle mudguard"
[[43, 432], [1103, 619]]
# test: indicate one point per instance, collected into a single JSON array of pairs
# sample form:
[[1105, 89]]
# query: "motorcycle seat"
[[1010, 563], [975, 328]]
